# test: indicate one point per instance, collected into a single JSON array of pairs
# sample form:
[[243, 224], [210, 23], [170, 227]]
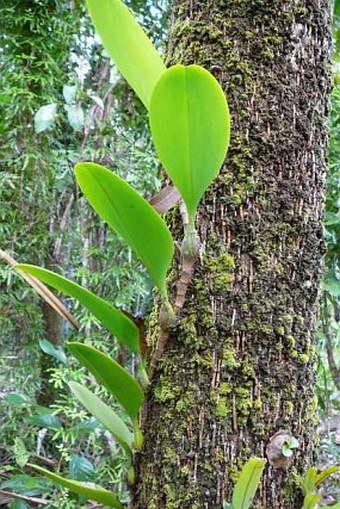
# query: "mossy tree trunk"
[[239, 367]]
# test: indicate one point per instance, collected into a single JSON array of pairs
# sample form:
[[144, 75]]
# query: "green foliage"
[[247, 484], [85, 489], [289, 446], [114, 320], [131, 217], [128, 45], [190, 126], [109, 373], [103, 414]]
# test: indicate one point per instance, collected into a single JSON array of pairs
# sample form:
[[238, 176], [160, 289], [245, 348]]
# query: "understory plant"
[[190, 127]]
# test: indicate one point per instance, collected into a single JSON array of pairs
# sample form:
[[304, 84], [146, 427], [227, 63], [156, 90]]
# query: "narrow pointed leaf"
[[311, 501], [309, 481], [114, 320], [104, 415], [248, 483], [109, 373], [190, 126], [130, 216], [87, 490], [128, 45], [325, 474]]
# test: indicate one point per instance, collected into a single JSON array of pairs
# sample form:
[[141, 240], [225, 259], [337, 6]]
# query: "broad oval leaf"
[[109, 373], [128, 45], [190, 126], [248, 483], [87, 490], [114, 320], [130, 216], [44, 117], [104, 415]]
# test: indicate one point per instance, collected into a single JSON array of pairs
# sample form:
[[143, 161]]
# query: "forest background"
[[62, 101]]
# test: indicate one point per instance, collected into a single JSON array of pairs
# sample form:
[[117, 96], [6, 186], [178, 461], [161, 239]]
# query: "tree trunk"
[[239, 367]]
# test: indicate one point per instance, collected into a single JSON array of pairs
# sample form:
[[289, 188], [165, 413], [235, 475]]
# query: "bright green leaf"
[[87, 490], [103, 414], [248, 483], [56, 352], [309, 480], [109, 373], [322, 476], [130, 216], [190, 126], [44, 117], [311, 501], [128, 45], [286, 451], [115, 321]]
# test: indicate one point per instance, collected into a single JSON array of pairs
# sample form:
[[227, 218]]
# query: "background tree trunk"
[[240, 366]]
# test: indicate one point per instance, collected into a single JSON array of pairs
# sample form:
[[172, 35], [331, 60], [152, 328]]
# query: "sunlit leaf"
[[130, 216], [114, 320], [69, 93], [248, 483], [44, 117], [103, 414], [109, 373], [190, 126], [87, 490], [128, 45]]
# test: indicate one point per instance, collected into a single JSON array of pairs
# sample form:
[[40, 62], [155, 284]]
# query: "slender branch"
[[32, 500]]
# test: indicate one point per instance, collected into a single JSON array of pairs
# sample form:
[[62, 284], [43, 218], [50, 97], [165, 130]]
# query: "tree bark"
[[239, 367]]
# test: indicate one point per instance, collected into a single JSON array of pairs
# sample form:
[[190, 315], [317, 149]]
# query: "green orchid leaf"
[[248, 483], [311, 501], [114, 320], [322, 476], [190, 126], [128, 45], [104, 415], [88, 490], [309, 481], [130, 216], [109, 373]]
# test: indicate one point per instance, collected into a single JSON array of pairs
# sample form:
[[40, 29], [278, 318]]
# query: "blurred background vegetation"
[[62, 101]]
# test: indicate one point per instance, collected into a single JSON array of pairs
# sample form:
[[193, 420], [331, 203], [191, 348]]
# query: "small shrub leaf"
[[44, 117]]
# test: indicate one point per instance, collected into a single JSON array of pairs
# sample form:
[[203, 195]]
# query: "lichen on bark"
[[239, 366]]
